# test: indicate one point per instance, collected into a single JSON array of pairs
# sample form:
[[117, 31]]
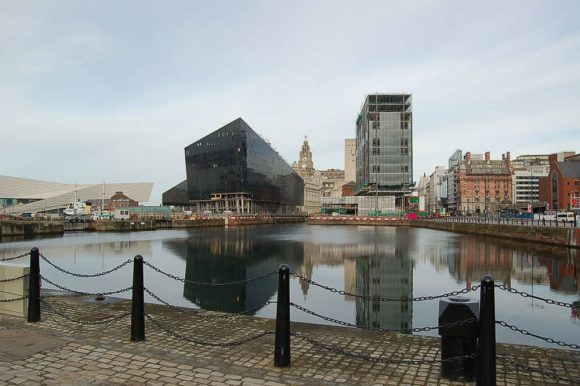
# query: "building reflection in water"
[[378, 261], [387, 272], [232, 254], [377, 266], [469, 258]]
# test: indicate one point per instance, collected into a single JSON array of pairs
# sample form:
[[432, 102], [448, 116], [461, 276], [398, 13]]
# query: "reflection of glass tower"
[[233, 254], [386, 273]]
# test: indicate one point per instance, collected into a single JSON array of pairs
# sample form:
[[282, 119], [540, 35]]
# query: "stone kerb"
[[13, 289]]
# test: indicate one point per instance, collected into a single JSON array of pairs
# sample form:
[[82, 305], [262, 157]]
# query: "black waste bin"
[[458, 339]]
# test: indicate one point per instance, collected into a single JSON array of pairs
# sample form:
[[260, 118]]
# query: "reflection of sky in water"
[[384, 261]]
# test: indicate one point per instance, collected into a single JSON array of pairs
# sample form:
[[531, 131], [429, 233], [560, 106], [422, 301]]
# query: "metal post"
[[486, 372], [34, 287], [137, 305], [282, 341]]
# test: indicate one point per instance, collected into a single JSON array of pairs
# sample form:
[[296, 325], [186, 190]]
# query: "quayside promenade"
[[80, 341]]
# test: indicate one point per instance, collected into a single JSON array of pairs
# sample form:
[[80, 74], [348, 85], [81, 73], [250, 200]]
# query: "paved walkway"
[[59, 351]]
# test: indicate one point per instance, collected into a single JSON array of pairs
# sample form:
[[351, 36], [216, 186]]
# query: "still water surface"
[[384, 261]]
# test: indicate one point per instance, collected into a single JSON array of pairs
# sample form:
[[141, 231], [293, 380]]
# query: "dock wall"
[[30, 228], [566, 237]]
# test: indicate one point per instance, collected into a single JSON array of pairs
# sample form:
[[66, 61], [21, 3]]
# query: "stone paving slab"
[[78, 343]]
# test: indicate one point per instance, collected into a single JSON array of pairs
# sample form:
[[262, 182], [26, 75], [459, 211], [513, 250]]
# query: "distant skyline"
[[92, 92]]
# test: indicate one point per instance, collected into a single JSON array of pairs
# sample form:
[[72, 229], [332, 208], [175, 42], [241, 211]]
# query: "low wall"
[[14, 289], [30, 228], [121, 226], [259, 220], [200, 222], [567, 237], [361, 220]]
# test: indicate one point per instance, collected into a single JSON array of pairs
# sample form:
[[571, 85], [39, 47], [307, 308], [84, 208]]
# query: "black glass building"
[[234, 169]]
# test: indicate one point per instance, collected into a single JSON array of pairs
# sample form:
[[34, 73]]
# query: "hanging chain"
[[14, 278], [210, 284], [86, 275], [86, 293], [15, 257], [112, 319], [549, 340], [403, 330], [535, 370], [527, 295], [380, 359], [197, 314], [385, 299], [238, 342]]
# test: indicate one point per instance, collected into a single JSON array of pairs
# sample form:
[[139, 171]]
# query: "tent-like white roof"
[[53, 195]]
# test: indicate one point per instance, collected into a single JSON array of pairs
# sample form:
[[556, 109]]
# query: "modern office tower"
[[528, 169], [384, 145], [350, 159], [452, 165], [233, 169]]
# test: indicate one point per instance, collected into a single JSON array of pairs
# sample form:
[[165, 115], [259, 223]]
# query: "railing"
[[479, 360], [535, 222]]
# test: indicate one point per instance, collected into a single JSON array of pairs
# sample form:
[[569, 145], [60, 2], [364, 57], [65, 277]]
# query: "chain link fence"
[[210, 284], [236, 342], [545, 373], [14, 278], [503, 287], [83, 292], [197, 314], [548, 340], [128, 261], [380, 329], [15, 257], [385, 299]]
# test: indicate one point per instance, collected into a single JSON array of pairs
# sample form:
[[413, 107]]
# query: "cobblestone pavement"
[[83, 342]]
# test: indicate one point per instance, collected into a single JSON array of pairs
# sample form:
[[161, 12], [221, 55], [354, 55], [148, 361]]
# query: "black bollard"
[[138, 303], [458, 340], [34, 287], [486, 365], [282, 341]]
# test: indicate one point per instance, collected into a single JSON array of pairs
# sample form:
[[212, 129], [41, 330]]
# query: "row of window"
[[377, 169]]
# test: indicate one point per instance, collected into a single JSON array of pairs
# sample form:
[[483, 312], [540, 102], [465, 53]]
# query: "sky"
[[97, 91]]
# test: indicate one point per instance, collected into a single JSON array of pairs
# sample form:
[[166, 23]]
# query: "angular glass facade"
[[384, 143], [234, 159]]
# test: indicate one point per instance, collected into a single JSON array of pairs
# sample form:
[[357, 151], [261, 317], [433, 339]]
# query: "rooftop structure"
[[19, 195]]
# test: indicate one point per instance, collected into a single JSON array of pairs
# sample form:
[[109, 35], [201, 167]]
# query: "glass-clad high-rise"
[[384, 144], [234, 169]]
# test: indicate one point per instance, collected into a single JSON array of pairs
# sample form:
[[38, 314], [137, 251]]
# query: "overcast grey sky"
[[94, 91]]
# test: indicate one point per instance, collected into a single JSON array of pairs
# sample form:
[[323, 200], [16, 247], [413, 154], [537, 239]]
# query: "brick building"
[[483, 185], [119, 200], [561, 188]]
